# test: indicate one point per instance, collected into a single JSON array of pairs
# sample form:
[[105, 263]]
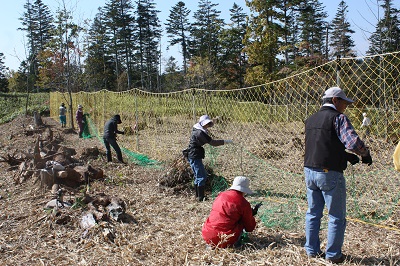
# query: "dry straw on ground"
[[165, 228]]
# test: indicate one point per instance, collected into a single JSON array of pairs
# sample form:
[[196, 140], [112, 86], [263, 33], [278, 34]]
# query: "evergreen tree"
[[313, 28], [172, 77], [37, 23], [205, 31], [262, 40], [341, 41], [3, 76], [120, 27], [290, 28], [99, 67], [386, 37], [148, 32], [178, 29], [233, 58]]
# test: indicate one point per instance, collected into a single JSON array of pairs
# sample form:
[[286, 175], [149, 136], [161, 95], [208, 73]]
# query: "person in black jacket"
[[328, 134], [196, 152], [110, 137]]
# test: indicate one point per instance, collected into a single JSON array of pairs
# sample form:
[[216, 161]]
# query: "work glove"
[[352, 158], [228, 141], [255, 209], [367, 159]]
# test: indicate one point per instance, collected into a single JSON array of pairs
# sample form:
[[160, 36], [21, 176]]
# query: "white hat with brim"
[[204, 120], [242, 184], [336, 92]]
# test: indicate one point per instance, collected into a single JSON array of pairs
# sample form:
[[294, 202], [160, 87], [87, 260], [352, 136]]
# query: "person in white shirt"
[[366, 123], [63, 115]]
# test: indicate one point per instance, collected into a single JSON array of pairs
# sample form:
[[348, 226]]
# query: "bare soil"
[[164, 229]]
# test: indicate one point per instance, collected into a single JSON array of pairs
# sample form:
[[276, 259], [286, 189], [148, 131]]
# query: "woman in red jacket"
[[230, 214]]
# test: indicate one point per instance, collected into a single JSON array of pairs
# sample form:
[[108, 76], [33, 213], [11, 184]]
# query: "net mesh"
[[266, 123]]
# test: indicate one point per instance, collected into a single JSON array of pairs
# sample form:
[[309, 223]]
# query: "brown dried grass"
[[166, 226]]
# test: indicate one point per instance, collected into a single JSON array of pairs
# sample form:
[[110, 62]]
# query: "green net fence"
[[266, 123]]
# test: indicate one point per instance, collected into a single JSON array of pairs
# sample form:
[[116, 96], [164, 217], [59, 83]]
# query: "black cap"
[[117, 118]]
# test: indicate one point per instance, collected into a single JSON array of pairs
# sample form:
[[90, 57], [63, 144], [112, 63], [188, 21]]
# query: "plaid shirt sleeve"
[[348, 136]]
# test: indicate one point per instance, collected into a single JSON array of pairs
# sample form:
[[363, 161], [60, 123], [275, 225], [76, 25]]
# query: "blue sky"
[[362, 15]]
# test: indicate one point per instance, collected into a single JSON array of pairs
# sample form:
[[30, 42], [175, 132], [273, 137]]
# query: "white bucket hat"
[[242, 184], [336, 92], [204, 120]]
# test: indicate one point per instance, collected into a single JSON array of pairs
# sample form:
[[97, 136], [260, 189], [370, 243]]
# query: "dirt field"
[[164, 227]]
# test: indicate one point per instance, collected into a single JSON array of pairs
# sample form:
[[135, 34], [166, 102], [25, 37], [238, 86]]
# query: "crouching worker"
[[196, 152], [230, 214]]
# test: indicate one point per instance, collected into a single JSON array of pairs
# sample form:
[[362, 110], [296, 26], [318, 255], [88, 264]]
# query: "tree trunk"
[[37, 119]]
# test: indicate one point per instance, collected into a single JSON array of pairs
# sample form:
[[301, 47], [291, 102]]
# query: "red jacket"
[[230, 214]]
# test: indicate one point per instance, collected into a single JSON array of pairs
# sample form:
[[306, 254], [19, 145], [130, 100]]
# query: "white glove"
[[228, 141]]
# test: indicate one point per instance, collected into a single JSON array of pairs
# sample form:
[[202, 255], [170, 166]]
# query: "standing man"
[[63, 115], [79, 119], [328, 133], [110, 137], [196, 152]]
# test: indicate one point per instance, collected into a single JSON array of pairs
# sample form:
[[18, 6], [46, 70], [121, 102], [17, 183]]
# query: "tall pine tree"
[[340, 39], [262, 40], [148, 33], [3, 77], [313, 28], [386, 37], [232, 58], [119, 21], [99, 67], [178, 30], [205, 31], [37, 23]]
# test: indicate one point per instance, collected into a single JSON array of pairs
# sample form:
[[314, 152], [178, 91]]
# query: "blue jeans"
[[63, 119], [325, 188], [200, 173]]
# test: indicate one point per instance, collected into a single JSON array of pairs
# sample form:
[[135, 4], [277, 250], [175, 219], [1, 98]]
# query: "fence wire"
[[266, 123]]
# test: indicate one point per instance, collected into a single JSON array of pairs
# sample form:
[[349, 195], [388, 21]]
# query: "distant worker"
[[196, 152], [366, 124], [230, 214], [328, 133], [79, 119], [63, 115], [110, 137]]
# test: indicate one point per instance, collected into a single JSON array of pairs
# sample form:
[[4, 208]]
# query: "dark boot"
[[200, 191], [196, 190], [109, 158]]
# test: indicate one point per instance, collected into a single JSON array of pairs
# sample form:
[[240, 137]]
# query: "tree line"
[[120, 48]]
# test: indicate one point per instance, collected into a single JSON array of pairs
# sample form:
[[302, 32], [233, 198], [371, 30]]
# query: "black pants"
[[113, 143]]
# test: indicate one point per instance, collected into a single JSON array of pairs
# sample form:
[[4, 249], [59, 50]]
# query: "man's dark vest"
[[323, 147]]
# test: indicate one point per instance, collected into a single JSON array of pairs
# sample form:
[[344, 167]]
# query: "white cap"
[[364, 114], [336, 92], [79, 106], [204, 120], [242, 184]]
